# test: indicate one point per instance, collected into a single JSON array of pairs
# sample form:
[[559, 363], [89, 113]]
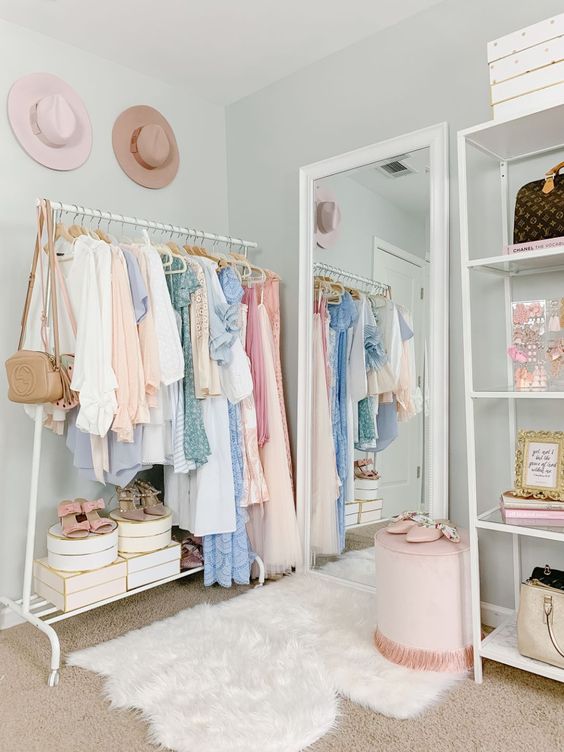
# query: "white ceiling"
[[223, 49]]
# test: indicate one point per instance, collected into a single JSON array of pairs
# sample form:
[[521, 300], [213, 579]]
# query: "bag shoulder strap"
[[44, 220]]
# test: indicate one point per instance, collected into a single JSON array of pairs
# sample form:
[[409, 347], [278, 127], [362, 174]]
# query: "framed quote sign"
[[539, 464]]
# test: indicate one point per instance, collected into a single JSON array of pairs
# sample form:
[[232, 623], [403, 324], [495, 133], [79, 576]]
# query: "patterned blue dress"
[[342, 317], [228, 556], [181, 286]]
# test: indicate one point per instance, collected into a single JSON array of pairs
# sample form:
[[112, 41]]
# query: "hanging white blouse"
[[171, 356], [91, 295]]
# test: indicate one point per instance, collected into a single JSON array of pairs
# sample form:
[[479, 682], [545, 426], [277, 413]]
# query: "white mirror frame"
[[435, 138]]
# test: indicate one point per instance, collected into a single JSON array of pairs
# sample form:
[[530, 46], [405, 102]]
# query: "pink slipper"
[[400, 527], [422, 534], [98, 525], [69, 513]]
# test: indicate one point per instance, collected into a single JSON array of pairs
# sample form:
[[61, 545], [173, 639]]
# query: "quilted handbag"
[[539, 208], [540, 621]]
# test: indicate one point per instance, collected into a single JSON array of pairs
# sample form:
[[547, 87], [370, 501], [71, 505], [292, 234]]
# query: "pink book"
[[534, 514]]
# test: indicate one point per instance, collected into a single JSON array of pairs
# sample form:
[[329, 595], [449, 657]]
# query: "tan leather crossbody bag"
[[35, 376]]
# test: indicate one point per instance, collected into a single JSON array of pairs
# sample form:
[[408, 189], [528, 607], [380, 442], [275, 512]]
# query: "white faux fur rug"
[[354, 566], [260, 672]]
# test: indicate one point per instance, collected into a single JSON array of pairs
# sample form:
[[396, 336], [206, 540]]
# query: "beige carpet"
[[511, 711]]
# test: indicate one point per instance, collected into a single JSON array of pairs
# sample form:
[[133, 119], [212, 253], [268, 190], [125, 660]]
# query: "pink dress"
[[271, 298], [280, 546], [254, 350]]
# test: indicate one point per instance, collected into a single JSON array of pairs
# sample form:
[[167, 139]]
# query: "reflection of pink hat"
[[327, 217], [145, 146], [50, 121]]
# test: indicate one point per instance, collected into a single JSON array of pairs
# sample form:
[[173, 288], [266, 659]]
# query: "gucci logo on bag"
[[23, 380]]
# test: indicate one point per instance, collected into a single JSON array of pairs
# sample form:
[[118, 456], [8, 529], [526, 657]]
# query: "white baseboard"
[[493, 616]]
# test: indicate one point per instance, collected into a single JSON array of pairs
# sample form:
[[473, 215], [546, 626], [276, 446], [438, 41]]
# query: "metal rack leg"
[[24, 610], [262, 573]]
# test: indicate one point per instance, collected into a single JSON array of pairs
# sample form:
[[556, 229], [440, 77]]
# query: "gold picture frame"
[[539, 465]]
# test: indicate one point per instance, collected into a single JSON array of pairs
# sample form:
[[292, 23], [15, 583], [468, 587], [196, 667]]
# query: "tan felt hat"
[[145, 146]]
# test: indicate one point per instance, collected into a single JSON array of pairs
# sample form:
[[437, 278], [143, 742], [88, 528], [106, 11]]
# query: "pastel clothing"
[[227, 557], [91, 296], [222, 335], [206, 372], [280, 544], [121, 461], [196, 446], [141, 292], [255, 353], [271, 299], [235, 376], [126, 353], [342, 317], [171, 357], [203, 501], [325, 480]]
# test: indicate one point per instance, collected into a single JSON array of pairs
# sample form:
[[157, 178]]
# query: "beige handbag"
[[35, 377], [540, 622]]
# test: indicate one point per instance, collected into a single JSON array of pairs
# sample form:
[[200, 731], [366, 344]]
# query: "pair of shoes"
[[80, 517], [420, 528], [361, 470], [139, 501]]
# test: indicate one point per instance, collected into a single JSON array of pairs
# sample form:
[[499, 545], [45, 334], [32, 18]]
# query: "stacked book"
[[526, 510]]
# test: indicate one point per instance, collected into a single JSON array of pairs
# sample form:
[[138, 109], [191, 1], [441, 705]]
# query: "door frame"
[[422, 263], [434, 137]]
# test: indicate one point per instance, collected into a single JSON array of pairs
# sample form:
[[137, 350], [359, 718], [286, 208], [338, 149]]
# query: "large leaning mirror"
[[373, 391]]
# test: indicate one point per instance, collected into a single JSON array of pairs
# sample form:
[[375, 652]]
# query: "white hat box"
[[150, 567], [143, 536], [367, 484], [80, 554], [368, 495], [71, 590]]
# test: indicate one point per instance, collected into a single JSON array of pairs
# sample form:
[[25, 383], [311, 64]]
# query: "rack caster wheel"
[[53, 678]]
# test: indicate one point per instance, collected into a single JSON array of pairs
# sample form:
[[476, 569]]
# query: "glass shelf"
[[528, 262], [493, 520], [508, 392]]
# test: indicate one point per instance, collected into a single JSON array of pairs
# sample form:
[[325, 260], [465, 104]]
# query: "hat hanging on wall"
[[145, 146], [50, 121], [327, 217]]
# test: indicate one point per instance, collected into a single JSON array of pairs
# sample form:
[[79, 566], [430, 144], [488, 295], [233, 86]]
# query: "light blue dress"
[[228, 556], [342, 317]]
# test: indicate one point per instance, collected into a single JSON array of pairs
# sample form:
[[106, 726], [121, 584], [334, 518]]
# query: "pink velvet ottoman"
[[423, 596]]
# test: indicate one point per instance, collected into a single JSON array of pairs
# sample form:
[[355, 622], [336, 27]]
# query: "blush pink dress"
[[280, 546], [271, 299]]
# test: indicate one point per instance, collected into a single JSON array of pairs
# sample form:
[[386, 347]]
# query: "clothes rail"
[[107, 216], [31, 607], [321, 269]]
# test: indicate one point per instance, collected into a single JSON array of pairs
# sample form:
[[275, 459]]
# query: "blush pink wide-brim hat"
[[145, 146], [327, 217], [50, 121]]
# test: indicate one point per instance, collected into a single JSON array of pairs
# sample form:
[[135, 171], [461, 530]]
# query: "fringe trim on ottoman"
[[419, 659]]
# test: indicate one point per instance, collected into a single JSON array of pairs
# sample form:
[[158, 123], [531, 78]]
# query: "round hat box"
[[80, 554], [143, 536]]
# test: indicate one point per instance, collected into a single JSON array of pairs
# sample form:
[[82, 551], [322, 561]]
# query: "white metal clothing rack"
[[364, 284], [148, 224], [31, 607]]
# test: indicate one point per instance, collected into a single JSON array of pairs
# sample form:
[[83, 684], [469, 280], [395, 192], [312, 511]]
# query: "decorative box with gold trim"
[[157, 565], [71, 590]]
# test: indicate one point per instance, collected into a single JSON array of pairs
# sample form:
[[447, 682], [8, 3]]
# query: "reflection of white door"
[[401, 464]]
